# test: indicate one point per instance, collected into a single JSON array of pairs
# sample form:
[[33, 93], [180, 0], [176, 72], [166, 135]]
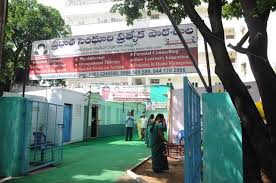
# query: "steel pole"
[[3, 11], [87, 115], [208, 65], [167, 11], [3, 16]]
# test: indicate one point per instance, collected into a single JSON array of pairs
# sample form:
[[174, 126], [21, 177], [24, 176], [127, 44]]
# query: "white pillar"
[[130, 81], [147, 81]]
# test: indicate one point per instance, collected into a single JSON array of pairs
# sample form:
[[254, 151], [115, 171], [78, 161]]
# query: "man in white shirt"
[[144, 125]]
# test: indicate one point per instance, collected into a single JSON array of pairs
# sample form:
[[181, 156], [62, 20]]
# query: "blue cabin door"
[[67, 122], [192, 128]]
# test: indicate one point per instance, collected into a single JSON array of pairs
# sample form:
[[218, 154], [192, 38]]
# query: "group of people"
[[152, 131]]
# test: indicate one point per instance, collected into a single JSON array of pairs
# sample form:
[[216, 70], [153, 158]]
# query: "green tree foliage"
[[259, 138], [28, 21], [134, 9]]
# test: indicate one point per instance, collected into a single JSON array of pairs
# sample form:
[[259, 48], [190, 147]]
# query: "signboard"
[[146, 51], [156, 105], [123, 93]]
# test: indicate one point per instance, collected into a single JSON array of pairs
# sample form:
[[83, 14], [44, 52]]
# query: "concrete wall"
[[252, 88], [111, 130], [63, 96], [110, 115], [77, 100], [115, 112]]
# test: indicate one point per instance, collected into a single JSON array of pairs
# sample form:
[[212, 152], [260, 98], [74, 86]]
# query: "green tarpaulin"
[[222, 140]]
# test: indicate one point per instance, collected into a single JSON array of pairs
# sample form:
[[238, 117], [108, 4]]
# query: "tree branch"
[[14, 42], [256, 21], [214, 11], [243, 39], [246, 51], [197, 20], [239, 49]]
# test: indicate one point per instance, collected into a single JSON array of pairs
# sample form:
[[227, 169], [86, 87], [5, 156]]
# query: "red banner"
[[147, 51], [119, 64]]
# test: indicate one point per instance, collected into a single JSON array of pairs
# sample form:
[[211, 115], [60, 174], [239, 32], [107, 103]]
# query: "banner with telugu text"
[[147, 51]]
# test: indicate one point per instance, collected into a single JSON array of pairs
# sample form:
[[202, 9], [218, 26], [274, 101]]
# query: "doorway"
[[67, 117], [94, 121], [85, 123]]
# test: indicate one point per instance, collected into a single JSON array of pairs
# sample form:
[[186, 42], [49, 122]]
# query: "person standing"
[[129, 121], [150, 121], [144, 122], [139, 125], [159, 160]]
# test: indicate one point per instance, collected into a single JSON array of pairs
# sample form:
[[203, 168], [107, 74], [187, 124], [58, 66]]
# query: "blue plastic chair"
[[39, 138], [41, 145], [180, 136]]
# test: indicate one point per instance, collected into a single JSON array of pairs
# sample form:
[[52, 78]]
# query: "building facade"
[[93, 17]]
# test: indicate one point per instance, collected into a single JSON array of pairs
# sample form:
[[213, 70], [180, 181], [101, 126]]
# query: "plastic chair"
[[180, 136], [41, 145]]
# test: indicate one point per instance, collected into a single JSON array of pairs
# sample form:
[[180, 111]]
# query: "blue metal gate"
[[192, 128]]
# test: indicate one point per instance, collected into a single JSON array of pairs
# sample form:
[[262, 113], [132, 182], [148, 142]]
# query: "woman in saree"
[[159, 160], [149, 125]]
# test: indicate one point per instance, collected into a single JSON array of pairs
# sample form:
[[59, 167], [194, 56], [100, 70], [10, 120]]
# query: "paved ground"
[[144, 174], [103, 160], [174, 175]]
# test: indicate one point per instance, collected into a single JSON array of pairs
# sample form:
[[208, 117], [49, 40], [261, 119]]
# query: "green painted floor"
[[102, 160]]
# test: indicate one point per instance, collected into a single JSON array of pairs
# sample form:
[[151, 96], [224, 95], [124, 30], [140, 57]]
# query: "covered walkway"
[[102, 160]]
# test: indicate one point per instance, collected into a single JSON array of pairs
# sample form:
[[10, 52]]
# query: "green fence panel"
[[13, 116], [222, 140], [159, 93]]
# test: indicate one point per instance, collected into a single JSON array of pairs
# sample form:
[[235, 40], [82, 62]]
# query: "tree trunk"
[[251, 166], [262, 71], [257, 151], [266, 81], [27, 67]]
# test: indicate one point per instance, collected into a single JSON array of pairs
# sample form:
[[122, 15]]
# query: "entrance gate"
[[32, 135], [43, 141], [192, 127]]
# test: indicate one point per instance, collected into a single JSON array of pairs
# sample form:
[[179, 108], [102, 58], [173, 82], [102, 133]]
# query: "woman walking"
[[159, 160]]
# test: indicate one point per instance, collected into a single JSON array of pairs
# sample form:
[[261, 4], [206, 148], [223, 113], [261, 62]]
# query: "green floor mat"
[[100, 160]]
